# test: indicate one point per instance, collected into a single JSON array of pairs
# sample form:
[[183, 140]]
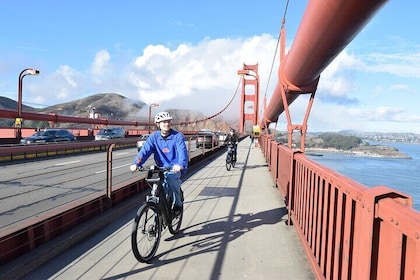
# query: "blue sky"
[[185, 55]]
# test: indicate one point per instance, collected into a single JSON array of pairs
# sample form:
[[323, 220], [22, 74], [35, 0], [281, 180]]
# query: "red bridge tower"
[[249, 97]]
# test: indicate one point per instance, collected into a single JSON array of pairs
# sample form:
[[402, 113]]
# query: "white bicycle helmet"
[[162, 116]]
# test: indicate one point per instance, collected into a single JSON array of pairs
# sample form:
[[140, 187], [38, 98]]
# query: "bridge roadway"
[[233, 228]]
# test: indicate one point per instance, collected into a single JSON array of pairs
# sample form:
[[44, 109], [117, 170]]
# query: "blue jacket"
[[167, 152]]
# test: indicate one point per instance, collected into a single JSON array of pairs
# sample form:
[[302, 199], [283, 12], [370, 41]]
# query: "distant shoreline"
[[373, 151]]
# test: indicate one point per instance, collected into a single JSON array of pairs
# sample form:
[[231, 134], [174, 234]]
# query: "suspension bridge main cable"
[[218, 113], [283, 21]]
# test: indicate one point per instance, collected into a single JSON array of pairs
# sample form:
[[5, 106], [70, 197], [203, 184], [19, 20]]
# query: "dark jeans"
[[172, 185]]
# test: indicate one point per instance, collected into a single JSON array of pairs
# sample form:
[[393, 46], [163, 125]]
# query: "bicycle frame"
[[155, 180], [230, 162], [230, 152]]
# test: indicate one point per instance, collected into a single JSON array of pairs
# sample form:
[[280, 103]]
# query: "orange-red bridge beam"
[[327, 27]]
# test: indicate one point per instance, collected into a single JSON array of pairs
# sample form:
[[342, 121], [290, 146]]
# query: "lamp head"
[[32, 72]]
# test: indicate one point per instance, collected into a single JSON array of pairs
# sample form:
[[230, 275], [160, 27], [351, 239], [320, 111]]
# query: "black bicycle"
[[230, 160], [153, 216]]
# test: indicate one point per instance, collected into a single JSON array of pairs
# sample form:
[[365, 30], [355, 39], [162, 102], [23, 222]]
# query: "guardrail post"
[[109, 171], [290, 195], [189, 148]]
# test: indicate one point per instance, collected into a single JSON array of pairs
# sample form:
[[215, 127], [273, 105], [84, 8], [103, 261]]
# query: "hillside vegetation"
[[350, 144], [334, 140]]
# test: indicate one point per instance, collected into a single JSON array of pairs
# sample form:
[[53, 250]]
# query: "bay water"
[[399, 174]]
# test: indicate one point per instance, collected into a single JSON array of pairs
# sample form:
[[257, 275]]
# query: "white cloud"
[[68, 74], [338, 79], [204, 77], [398, 89], [100, 64], [207, 69], [54, 88], [400, 64]]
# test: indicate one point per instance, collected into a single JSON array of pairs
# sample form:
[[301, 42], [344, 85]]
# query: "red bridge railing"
[[348, 231]]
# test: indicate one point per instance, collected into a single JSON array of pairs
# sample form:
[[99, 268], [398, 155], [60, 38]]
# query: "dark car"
[[110, 133], [48, 136]]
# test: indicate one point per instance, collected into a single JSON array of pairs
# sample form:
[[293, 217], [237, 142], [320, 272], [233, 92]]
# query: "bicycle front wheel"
[[228, 165], [146, 233], [229, 161]]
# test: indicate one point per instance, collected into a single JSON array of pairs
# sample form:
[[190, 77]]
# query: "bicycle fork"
[[158, 196]]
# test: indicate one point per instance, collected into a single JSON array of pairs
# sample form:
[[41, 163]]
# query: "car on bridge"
[[110, 133], [140, 142], [49, 135], [207, 139], [222, 136]]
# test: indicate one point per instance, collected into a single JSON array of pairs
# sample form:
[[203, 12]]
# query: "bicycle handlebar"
[[134, 168], [230, 144], [155, 167]]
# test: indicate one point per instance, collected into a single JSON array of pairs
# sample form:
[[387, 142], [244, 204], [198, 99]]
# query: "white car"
[[222, 136], [141, 141], [208, 139]]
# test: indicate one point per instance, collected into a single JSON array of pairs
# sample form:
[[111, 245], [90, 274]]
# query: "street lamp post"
[[18, 121], [150, 113]]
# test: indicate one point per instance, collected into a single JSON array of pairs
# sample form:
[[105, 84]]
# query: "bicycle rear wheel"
[[146, 233], [175, 225]]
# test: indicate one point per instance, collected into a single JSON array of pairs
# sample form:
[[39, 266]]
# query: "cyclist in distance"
[[169, 150], [232, 138]]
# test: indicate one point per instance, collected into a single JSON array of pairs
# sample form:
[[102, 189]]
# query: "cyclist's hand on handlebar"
[[134, 168], [177, 168]]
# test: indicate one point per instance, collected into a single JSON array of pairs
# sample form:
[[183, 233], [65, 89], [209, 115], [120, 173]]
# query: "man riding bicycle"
[[169, 150], [232, 141]]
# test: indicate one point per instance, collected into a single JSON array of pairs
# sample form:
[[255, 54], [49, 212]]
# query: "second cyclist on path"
[[232, 139]]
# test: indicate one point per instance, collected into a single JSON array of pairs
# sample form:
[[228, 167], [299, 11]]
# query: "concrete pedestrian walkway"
[[233, 228]]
